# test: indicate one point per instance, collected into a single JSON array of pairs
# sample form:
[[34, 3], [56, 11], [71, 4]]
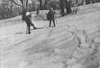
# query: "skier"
[[29, 22], [51, 17]]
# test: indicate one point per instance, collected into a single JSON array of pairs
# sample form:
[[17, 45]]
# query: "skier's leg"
[[28, 26], [50, 23], [54, 23], [33, 25]]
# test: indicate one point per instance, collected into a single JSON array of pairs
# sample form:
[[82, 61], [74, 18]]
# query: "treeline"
[[8, 9], [11, 8], [71, 3]]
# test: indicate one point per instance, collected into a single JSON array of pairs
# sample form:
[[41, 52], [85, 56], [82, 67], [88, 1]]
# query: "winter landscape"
[[73, 43]]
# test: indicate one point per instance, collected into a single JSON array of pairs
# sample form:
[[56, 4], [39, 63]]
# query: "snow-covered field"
[[73, 43]]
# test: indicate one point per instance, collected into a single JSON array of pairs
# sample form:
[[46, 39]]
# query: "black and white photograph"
[[49, 33]]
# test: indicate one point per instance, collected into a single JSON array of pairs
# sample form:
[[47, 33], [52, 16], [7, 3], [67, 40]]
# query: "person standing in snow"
[[51, 17], [29, 22]]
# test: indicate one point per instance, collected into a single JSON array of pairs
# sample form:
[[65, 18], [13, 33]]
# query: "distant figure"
[[51, 17], [29, 22], [37, 12]]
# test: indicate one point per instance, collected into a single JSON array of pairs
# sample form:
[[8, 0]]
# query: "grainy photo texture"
[[49, 33]]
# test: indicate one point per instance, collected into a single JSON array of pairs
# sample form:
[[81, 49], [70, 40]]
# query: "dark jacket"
[[50, 15], [28, 20]]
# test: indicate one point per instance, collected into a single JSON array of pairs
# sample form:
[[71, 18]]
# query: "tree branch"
[[16, 3], [26, 4], [21, 1]]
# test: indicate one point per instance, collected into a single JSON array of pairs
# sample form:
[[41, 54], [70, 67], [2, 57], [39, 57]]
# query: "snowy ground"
[[74, 43]]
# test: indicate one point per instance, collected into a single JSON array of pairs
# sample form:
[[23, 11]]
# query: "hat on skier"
[[28, 13]]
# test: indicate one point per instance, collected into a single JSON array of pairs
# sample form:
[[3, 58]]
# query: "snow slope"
[[74, 43]]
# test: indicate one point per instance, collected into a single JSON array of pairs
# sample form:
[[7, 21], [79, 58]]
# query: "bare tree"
[[41, 7], [62, 7], [5, 10], [23, 4], [87, 1], [68, 6], [45, 3]]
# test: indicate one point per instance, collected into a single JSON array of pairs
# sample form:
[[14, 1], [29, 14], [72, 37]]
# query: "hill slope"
[[74, 43]]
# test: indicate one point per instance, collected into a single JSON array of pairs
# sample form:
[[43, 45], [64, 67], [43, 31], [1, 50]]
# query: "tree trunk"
[[11, 5], [41, 4], [45, 4], [23, 14], [68, 6], [82, 3], [24, 8], [62, 7], [87, 1]]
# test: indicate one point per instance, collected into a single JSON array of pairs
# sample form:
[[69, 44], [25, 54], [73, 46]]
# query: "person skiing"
[[51, 17], [29, 22]]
